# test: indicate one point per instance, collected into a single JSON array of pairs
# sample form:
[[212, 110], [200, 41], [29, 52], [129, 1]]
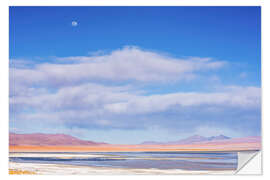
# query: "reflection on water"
[[157, 160]]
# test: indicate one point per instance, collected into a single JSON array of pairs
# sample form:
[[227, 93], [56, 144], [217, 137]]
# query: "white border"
[[4, 72], [4, 89]]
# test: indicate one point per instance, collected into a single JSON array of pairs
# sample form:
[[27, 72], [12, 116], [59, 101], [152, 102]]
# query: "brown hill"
[[40, 139]]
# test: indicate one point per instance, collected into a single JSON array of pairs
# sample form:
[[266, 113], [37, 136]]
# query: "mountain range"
[[190, 140], [40, 139]]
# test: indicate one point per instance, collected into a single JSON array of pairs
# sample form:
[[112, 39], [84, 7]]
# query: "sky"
[[134, 74]]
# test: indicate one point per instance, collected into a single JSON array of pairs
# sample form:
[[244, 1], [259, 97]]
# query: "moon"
[[74, 23]]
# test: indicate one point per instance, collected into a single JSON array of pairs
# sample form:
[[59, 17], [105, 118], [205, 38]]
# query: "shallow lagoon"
[[145, 160]]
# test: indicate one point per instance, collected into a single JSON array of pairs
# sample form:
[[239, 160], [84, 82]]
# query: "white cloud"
[[82, 91], [20, 63], [123, 107], [239, 97], [83, 96], [129, 63], [127, 100]]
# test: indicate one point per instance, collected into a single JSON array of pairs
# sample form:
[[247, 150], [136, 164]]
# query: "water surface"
[[157, 160]]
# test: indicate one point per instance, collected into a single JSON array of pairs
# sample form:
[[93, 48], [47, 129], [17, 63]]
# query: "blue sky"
[[130, 74]]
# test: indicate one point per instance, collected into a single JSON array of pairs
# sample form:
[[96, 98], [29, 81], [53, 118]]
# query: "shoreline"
[[139, 148], [63, 169]]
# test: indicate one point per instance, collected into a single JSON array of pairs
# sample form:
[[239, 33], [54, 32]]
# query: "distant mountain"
[[250, 139], [220, 137], [40, 139], [150, 143], [190, 140]]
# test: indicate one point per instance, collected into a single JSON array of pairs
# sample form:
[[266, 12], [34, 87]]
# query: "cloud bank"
[[127, 64], [107, 92]]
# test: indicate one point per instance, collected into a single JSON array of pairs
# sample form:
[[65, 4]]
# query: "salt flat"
[[54, 155], [59, 169]]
